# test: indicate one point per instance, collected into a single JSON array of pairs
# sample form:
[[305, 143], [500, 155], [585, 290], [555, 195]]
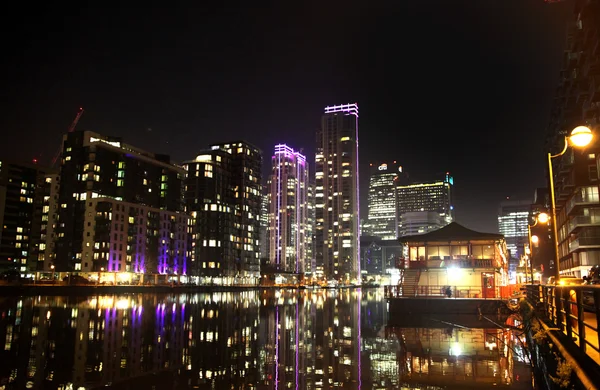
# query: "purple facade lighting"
[[349, 109], [358, 272]]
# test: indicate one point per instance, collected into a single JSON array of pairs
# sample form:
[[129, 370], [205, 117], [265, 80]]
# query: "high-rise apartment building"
[[337, 207], [416, 202], [577, 103], [288, 211], [223, 194], [310, 228], [23, 191], [264, 228], [120, 209], [513, 218], [383, 222]]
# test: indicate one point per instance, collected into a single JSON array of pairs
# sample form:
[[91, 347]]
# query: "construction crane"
[[71, 128]]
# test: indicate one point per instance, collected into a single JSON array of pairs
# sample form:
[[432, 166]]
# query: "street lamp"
[[52, 268], [580, 137], [540, 218]]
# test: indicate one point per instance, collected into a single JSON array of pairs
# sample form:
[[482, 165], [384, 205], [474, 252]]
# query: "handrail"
[[441, 291], [572, 310]]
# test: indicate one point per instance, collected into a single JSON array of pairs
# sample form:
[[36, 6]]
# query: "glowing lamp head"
[[535, 239], [543, 218], [581, 136]]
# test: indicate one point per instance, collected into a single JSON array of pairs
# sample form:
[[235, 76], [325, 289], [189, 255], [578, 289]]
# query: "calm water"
[[251, 340]]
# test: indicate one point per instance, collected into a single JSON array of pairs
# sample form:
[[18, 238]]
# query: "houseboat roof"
[[452, 232]]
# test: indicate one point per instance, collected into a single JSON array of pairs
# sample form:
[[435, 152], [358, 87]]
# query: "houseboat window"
[[483, 251], [438, 252], [459, 251], [416, 253], [413, 253]]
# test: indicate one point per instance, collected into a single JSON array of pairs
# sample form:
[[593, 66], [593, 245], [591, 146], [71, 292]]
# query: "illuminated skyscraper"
[[337, 207], [383, 221], [423, 207], [288, 211], [513, 217]]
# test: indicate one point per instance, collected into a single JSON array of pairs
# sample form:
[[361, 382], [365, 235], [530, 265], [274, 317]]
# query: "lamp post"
[[540, 218], [580, 137], [52, 268]]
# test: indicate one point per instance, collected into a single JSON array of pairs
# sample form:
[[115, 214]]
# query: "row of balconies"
[[584, 243]]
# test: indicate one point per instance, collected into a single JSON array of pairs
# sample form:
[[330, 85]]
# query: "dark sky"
[[442, 85]]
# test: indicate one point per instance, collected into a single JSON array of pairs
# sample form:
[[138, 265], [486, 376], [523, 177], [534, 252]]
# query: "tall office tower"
[[513, 218], [423, 207], [575, 173], [224, 196], [337, 206], [383, 221], [120, 209], [22, 191], [288, 211]]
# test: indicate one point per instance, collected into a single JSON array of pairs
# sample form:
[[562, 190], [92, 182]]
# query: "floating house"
[[453, 261]]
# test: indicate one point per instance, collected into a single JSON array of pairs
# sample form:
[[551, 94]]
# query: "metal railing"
[[573, 310], [440, 291]]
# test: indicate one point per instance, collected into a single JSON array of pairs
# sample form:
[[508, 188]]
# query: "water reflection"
[[280, 339]]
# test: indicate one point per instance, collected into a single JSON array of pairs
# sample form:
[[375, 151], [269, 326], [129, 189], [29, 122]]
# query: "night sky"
[[442, 85]]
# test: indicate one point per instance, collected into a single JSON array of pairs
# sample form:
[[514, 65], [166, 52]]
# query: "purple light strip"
[[297, 343], [357, 216], [359, 292], [277, 347], [298, 253], [278, 213], [351, 108]]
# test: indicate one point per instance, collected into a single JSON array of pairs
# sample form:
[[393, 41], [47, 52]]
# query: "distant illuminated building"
[[337, 206], [423, 207], [382, 220], [513, 217], [288, 211]]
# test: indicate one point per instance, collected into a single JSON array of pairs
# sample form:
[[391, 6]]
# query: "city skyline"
[[172, 87]]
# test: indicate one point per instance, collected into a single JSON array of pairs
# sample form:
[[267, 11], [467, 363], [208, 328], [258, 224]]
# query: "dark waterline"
[[262, 339]]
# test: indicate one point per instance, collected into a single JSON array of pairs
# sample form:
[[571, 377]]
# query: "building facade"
[[336, 194], [577, 103], [288, 211], [383, 219], [120, 209], [419, 222], [513, 218], [415, 202], [23, 189], [223, 194]]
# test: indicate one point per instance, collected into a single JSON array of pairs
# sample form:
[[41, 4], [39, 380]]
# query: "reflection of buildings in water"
[[312, 340], [223, 340], [108, 339], [454, 356], [272, 339]]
